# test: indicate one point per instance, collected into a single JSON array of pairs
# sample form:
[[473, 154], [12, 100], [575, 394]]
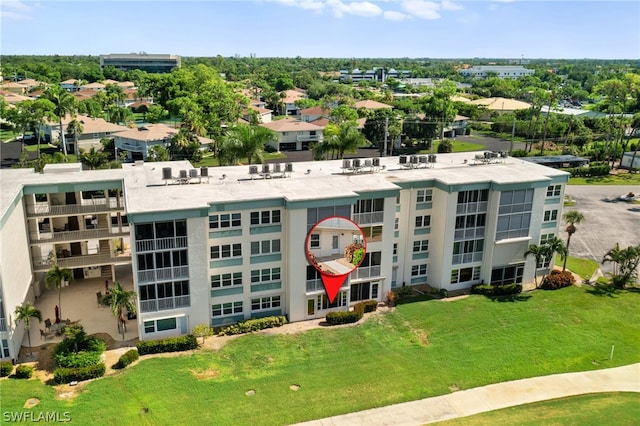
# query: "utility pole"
[[513, 135], [386, 134]]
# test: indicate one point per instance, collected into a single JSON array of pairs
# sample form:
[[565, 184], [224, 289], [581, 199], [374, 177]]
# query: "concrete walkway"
[[492, 397]]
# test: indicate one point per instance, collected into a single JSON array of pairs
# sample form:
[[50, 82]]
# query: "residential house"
[[137, 142], [311, 114], [294, 134], [93, 130], [498, 106], [291, 96]]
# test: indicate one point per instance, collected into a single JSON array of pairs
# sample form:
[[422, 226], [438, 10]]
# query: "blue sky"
[[325, 28]]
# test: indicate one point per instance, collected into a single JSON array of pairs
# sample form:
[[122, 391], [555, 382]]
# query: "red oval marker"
[[335, 246]]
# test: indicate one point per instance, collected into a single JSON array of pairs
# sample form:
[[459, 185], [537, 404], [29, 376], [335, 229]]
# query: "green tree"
[[56, 276], [155, 113], [65, 104], [541, 253], [158, 153], [94, 158], [345, 138], [249, 141], [554, 246], [24, 314], [626, 262], [122, 299], [43, 111], [572, 217], [75, 129]]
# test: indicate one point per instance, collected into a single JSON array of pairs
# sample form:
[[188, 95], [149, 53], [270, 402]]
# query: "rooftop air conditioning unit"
[[376, 162], [346, 164], [166, 173], [367, 162], [266, 168], [414, 159], [288, 167], [277, 168], [193, 173], [403, 159], [423, 159], [432, 158], [204, 171], [183, 174], [253, 170], [356, 162]]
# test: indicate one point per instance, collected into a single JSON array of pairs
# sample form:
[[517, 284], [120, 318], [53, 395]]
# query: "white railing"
[[163, 274], [42, 209], [366, 218], [183, 301], [315, 285], [148, 305], [161, 244], [80, 261], [165, 303], [76, 235], [367, 272]]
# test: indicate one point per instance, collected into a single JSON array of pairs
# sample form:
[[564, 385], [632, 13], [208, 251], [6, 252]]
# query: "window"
[[265, 247], [227, 220], [422, 245], [467, 251], [423, 221], [424, 195], [263, 303], [550, 215], [465, 275], [160, 325], [265, 275], [554, 190], [418, 270], [226, 280], [265, 217], [546, 237], [372, 233], [226, 251], [514, 214], [225, 309], [314, 241], [5, 348], [368, 211], [364, 291], [507, 274], [396, 224], [322, 301], [395, 249]]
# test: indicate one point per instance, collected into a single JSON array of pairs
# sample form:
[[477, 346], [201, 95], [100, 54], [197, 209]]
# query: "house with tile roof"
[[93, 130], [291, 96], [294, 134], [369, 104], [265, 115], [137, 142], [313, 113], [499, 106]]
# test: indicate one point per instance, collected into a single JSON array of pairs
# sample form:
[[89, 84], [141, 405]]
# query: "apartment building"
[[500, 71], [216, 246], [159, 63]]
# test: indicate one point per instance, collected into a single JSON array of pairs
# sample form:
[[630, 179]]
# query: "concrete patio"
[[79, 303]]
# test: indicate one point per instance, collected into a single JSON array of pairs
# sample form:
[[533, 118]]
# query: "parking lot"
[[606, 223]]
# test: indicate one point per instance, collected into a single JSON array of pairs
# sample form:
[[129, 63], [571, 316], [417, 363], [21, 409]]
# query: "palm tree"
[[57, 276], [250, 140], [75, 128], [571, 217], [122, 299], [625, 262], [65, 104], [94, 158], [346, 138], [24, 314], [540, 253], [555, 245]]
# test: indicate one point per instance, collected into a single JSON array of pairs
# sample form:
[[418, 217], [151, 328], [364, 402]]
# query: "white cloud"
[[358, 8], [314, 5], [422, 9], [449, 5], [395, 16], [16, 9]]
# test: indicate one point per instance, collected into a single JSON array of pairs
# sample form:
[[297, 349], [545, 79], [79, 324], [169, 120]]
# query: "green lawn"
[[583, 267], [420, 350], [458, 146], [8, 135], [621, 179], [597, 409]]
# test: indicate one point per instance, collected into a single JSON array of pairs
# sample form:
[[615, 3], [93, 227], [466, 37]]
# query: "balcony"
[[100, 205], [307, 138], [165, 303], [44, 264], [89, 234], [164, 274], [161, 244]]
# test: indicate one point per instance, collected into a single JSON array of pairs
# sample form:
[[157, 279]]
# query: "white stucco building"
[[219, 245]]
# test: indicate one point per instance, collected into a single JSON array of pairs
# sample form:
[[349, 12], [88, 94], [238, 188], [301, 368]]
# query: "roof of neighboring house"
[[93, 86], [293, 95], [260, 110], [369, 104], [125, 84], [315, 110], [501, 104], [290, 125], [322, 121], [13, 98], [138, 104], [90, 124], [460, 118], [148, 132], [71, 81], [130, 93], [83, 94], [458, 98]]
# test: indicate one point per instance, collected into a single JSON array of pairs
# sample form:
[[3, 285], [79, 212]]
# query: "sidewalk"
[[492, 397]]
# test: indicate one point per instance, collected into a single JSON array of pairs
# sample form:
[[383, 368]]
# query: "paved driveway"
[[605, 224]]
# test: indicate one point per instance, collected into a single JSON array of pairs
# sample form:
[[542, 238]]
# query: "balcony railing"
[[3, 324], [165, 303], [164, 274], [80, 261], [304, 138], [89, 234], [366, 272], [97, 206], [366, 218], [315, 285], [161, 244]]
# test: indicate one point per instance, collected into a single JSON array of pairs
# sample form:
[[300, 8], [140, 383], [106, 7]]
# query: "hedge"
[[496, 290], [370, 305], [126, 359], [343, 317], [24, 371], [77, 360], [592, 170], [68, 375], [256, 324], [557, 279], [6, 368], [171, 344]]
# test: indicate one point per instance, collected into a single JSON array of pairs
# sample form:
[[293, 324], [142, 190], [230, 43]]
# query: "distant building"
[[141, 61], [374, 74], [500, 71]]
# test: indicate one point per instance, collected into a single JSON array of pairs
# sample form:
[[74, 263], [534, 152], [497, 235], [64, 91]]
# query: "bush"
[[24, 371], [557, 279], [126, 359], [404, 291], [592, 170], [444, 147], [443, 292], [369, 306], [343, 317], [67, 375], [77, 360], [496, 290], [171, 344], [5, 368], [519, 153], [255, 324]]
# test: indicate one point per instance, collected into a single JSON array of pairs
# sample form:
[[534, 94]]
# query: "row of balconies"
[[95, 205], [43, 264], [89, 234]]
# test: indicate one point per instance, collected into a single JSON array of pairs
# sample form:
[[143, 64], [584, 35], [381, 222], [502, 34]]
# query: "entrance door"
[[311, 307], [335, 242]]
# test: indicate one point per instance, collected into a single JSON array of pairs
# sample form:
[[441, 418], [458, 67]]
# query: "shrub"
[[77, 360], [255, 324], [5, 368], [592, 170], [443, 292], [369, 305], [557, 279], [391, 298], [519, 153], [171, 344], [496, 290], [343, 317], [67, 375], [444, 147], [126, 359], [24, 371], [404, 291]]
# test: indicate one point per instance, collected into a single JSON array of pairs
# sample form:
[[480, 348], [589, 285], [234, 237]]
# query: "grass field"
[[583, 267], [420, 350], [619, 179], [618, 409]]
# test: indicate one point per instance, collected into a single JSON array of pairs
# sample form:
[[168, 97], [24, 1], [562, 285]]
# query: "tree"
[[43, 111], [158, 153], [122, 299], [626, 262], [56, 276], [24, 314], [65, 104], [75, 128], [94, 158], [571, 217], [250, 140], [202, 330], [540, 254], [554, 246]]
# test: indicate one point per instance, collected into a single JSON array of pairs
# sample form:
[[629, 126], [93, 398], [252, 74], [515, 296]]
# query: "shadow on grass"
[[511, 298], [604, 290], [411, 299]]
